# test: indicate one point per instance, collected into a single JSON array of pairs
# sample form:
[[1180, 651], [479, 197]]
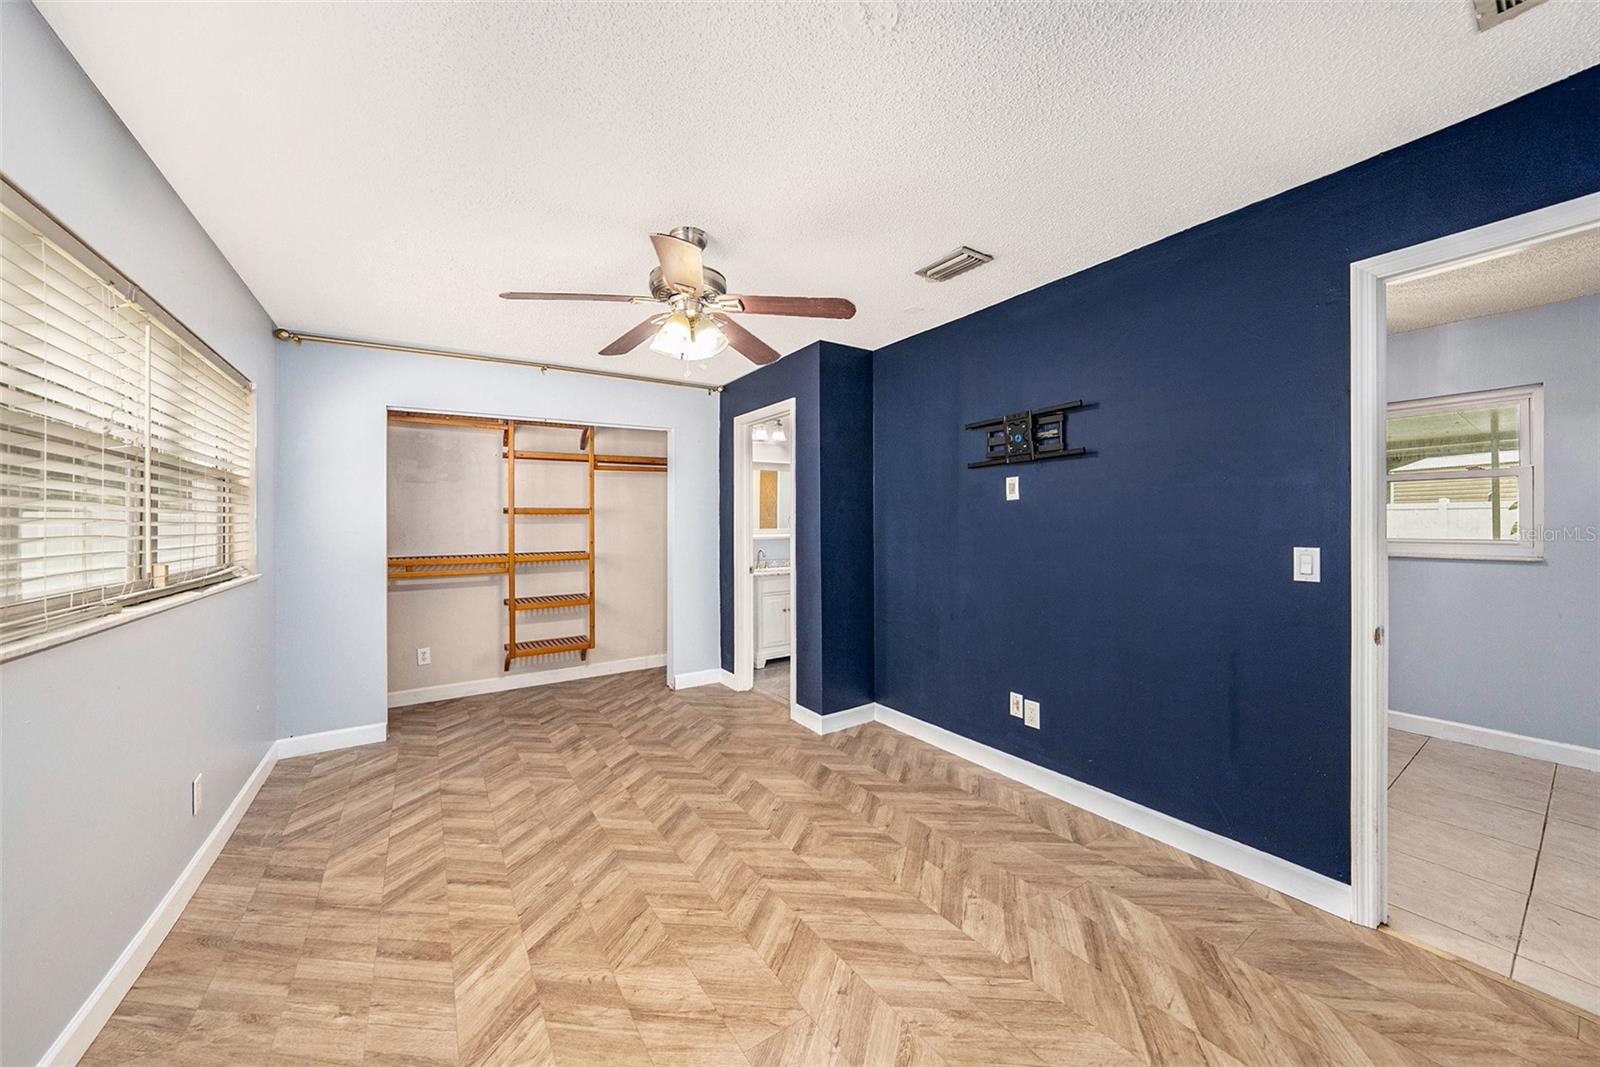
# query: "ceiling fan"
[[695, 324]]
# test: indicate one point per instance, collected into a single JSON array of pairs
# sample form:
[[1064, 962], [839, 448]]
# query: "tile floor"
[[773, 680], [1496, 858]]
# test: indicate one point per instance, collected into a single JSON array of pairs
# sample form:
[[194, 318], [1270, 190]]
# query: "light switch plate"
[[1016, 705], [196, 797], [1308, 564], [1030, 713], [1013, 487]]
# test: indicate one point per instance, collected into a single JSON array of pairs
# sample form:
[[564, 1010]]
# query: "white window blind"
[[127, 448]]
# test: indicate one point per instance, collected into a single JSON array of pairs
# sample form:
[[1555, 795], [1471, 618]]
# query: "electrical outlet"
[[195, 794], [1016, 705], [1013, 487], [424, 656], [1030, 713]]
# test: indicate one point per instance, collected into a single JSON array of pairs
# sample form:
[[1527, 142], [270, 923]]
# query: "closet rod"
[[289, 335]]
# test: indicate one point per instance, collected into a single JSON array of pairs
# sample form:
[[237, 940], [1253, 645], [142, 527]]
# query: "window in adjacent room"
[[1464, 475], [127, 446]]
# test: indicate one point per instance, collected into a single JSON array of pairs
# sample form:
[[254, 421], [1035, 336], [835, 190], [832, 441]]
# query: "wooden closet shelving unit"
[[405, 568]]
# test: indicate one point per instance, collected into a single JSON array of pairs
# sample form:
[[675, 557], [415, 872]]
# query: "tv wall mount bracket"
[[1027, 436]]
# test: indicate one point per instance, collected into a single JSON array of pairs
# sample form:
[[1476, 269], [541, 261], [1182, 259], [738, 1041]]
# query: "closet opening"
[[522, 552]]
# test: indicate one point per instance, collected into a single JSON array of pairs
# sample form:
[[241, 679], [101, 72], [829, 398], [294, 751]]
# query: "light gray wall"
[[447, 489], [1507, 645], [100, 737], [332, 536]]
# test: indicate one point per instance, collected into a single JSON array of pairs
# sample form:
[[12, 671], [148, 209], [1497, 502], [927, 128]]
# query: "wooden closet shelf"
[[548, 646], [429, 418], [483, 422], [509, 562], [469, 565], [464, 566], [550, 601], [601, 462], [585, 427], [549, 511]]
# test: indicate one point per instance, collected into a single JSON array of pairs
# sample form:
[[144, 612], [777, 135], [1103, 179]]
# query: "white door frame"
[[744, 583], [1369, 574]]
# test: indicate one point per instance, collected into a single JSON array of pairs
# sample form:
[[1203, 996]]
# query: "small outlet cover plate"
[[1030, 713], [1013, 487], [1016, 705], [424, 656], [196, 794]]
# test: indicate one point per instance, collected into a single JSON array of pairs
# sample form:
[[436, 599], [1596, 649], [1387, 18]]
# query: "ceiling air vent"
[[960, 261], [1493, 12]]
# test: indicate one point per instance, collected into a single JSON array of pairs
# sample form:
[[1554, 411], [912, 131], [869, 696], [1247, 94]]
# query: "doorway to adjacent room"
[[1475, 792], [764, 557]]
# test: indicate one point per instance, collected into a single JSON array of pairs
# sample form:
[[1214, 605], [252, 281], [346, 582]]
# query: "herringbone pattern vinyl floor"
[[610, 873]]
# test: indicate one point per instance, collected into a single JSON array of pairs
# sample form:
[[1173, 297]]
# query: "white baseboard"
[[833, 723], [1500, 740], [79, 1033], [1271, 871], [1274, 872], [695, 679], [75, 1039], [328, 740], [404, 698]]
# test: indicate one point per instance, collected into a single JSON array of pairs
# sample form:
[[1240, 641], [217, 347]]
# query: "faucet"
[[761, 558]]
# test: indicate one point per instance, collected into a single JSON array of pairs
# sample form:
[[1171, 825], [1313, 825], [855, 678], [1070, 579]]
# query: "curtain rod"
[[289, 335]]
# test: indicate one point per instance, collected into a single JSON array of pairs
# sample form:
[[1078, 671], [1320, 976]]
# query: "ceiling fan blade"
[[612, 297], [746, 343], [633, 338], [681, 264], [807, 307]]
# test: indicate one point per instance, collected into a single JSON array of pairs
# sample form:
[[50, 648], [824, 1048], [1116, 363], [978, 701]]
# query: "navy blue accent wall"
[[797, 375], [847, 559], [1143, 595], [832, 388]]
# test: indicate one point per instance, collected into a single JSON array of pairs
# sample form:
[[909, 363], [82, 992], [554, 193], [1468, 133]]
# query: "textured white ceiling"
[[1545, 273], [383, 170]]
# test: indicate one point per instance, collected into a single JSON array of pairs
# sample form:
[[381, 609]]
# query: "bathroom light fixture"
[[778, 436], [682, 337], [759, 433]]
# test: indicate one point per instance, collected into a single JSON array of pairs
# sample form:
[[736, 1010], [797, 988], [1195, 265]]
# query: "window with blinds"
[[127, 447]]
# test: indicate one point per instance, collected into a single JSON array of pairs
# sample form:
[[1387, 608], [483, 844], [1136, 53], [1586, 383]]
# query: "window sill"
[[121, 618], [1466, 557]]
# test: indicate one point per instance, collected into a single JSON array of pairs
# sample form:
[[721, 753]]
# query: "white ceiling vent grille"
[[1493, 12], [960, 261]]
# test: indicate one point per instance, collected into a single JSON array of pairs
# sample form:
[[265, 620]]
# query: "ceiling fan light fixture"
[[682, 337], [695, 324]]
